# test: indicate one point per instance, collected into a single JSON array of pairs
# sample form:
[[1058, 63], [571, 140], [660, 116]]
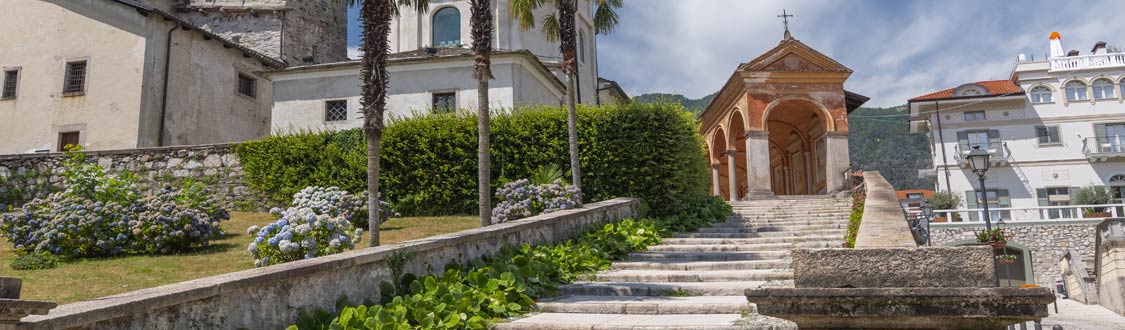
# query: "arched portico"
[[797, 131]]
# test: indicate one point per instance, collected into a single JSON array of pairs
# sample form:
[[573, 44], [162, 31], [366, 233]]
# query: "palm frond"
[[605, 16], [524, 12], [551, 28], [419, 5]]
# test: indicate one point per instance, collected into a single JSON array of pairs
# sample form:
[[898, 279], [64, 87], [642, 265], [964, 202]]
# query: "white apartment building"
[[1056, 125], [431, 70]]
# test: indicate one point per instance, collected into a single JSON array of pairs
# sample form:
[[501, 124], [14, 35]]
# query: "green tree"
[[482, 51], [559, 26], [375, 18]]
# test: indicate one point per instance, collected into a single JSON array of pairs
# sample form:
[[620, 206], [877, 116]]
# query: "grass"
[[78, 280]]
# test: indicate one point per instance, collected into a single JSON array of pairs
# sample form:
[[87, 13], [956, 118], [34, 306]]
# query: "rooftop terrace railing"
[[1088, 62]]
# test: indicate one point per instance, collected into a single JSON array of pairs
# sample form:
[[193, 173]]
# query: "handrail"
[[1018, 214], [1087, 61], [1081, 275], [1103, 145]]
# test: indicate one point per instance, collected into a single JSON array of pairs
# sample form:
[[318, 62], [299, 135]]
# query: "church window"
[[247, 86], [974, 115], [1041, 94], [74, 80], [1103, 89], [1048, 135], [444, 102], [447, 27], [1076, 91], [335, 110], [11, 78]]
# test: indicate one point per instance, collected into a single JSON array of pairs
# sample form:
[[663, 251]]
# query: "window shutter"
[[1041, 133], [1004, 201], [971, 202], [994, 140], [1073, 191], [1041, 193], [963, 141]]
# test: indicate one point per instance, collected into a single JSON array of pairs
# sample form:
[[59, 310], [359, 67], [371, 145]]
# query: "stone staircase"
[[698, 280]]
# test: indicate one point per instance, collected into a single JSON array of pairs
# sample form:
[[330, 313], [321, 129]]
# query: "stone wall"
[[28, 176], [271, 297], [1046, 240]]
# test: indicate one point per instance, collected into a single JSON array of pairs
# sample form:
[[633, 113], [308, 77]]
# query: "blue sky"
[[898, 49]]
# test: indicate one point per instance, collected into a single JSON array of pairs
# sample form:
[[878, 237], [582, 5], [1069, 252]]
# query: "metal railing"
[[997, 151], [1104, 145], [1038, 213], [1088, 61]]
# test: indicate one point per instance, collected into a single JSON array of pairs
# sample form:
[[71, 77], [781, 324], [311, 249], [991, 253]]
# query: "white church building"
[[431, 70], [1054, 126]]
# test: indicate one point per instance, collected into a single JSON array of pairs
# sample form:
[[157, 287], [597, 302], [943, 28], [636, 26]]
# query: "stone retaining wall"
[[28, 176], [271, 297], [1046, 240]]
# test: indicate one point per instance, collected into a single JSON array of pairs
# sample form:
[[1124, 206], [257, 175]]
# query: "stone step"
[[756, 240], [702, 265], [677, 289], [791, 217], [592, 321], [792, 228], [791, 211], [829, 232], [795, 226], [707, 256], [740, 247], [648, 305], [660, 276]]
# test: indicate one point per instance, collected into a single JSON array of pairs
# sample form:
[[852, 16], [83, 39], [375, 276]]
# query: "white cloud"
[[354, 53]]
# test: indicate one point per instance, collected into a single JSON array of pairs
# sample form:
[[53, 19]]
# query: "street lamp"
[[980, 160], [928, 214]]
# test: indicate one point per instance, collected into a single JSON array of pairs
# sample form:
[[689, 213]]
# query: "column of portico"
[[715, 189], [758, 165], [837, 160], [732, 175]]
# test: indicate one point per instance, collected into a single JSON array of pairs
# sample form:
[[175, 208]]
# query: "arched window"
[[447, 27], [1041, 94], [582, 46], [1103, 89], [1076, 91], [1121, 85]]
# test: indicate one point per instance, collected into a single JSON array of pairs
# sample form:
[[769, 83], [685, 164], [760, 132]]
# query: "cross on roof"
[[785, 19]]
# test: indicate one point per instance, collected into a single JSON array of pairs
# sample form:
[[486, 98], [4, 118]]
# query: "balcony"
[[1102, 149], [1086, 62], [998, 154]]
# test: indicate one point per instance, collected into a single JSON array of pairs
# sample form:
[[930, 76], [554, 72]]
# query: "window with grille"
[[75, 77], [445, 102], [336, 110], [974, 115], [247, 86], [1048, 135], [11, 78]]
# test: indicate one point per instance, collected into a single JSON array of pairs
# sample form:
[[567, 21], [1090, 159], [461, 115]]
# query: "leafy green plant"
[[1092, 195], [546, 174], [35, 261], [994, 235], [944, 200], [859, 198]]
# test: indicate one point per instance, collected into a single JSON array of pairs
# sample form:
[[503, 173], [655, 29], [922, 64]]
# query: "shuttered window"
[[1048, 135], [997, 198]]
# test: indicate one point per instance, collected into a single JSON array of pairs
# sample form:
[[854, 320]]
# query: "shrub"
[[321, 221], [859, 198], [521, 199], [1093, 195], [35, 261], [334, 201], [100, 215], [650, 151]]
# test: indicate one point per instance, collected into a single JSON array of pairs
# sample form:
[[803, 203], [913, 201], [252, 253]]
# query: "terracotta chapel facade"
[[779, 126]]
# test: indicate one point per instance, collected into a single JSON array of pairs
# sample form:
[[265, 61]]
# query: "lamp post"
[[928, 214], [980, 160]]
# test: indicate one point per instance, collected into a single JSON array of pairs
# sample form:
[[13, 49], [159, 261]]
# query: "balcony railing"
[[1024, 214], [998, 153], [1103, 148], [1088, 62]]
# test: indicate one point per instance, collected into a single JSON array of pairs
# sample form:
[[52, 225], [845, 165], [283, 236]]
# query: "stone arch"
[[736, 142], [717, 147], [827, 120], [448, 15]]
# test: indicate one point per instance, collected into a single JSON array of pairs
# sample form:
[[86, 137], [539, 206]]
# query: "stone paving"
[[1074, 315], [698, 280]]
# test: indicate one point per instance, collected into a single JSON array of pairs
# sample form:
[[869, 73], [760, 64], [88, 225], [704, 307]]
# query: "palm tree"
[[375, 17], [560, 26], [482, 51]]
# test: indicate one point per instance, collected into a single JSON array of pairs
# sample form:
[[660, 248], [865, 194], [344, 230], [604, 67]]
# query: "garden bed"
[[92, 278]]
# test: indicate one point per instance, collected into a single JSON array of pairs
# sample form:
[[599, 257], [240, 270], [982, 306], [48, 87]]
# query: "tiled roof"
[[901, 194], [994, 87]]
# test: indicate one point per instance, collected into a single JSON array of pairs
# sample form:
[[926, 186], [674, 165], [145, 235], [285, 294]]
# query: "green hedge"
[[651, 151]]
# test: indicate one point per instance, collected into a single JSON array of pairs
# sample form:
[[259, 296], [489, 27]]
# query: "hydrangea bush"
[[321, 221], [102, 215], [520, 199]]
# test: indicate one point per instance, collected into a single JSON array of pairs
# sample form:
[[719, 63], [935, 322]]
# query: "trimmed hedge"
[[651, 151]]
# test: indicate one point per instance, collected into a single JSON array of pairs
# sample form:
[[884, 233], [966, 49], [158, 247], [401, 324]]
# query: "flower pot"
[[1097, 215], [944, 219], [1006, 261]]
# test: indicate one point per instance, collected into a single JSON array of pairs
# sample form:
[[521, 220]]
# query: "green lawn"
[[79, 280]]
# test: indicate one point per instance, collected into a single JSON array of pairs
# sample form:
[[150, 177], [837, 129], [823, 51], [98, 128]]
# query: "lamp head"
[[979, 159]]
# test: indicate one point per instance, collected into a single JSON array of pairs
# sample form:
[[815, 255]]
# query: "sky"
[[897, 49]]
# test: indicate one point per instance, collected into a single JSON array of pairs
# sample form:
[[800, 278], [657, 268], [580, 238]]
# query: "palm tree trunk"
[[566, 9], [482, 49], [375, 16]]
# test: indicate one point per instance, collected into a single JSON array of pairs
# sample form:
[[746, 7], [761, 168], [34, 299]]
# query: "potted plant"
[[1006, 259], [994, 238], [1093, 195], [945, 201]]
